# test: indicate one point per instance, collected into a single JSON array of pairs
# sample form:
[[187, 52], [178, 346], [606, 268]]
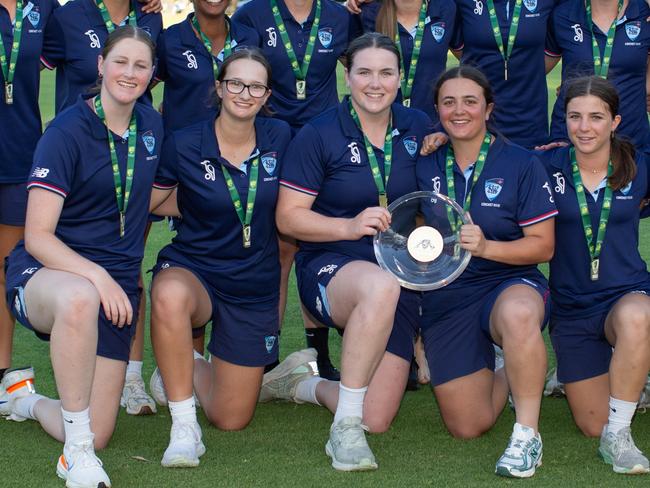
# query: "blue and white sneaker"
[[16, 383], [523, 454], [5, 409]]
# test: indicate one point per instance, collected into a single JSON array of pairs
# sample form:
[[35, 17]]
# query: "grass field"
[[284, 445]]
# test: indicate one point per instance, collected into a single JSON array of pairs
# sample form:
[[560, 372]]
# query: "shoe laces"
[[516, 448], [183, 431], [135, 389], [352, 434], [82, 454], [624, 442]]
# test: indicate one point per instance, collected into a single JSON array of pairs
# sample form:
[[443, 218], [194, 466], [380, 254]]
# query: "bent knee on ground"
[[469, 428], [228, 422]]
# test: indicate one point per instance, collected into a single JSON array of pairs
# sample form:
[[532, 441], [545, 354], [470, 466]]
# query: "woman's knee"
[[78, 303], [229, 422], [520, 321], [470, 428], [169, 299], [633, 324]]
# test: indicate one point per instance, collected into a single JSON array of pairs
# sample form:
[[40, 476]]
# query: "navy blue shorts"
[[314, 272], [242, 334], [13, 204], [460, 343], [112, 342]]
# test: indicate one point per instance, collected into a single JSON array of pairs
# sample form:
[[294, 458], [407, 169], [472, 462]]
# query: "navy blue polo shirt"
[[521, 102], [327, 159], [73, 160], [336, 29], [511, 193], [20, 123], [74, 38], [185, 65], [209, 236], [570, 37], [622, 269], [438, 30]]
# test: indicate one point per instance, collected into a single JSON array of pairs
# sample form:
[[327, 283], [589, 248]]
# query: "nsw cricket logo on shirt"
[[32, 14], [531, 5], [411, 145], [270, 163], [633, 29], [149, 141], [438, 31], [325, 37], [625, 192], [493, 187], [269, 342]]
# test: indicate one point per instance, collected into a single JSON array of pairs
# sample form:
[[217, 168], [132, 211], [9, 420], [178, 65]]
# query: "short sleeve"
[[161, 57], [552, 47], [53, 52], [304, 165], [55, 160], [457, 41], [167, 175], [535, 196]]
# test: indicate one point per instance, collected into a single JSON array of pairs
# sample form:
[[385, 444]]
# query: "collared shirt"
[[438, 32], [73, 160], [336, 29], [209, 236], [521, 101], [327, 159], [20, 122], [622, 269], [569, 36], [74, 38], [185, 65]]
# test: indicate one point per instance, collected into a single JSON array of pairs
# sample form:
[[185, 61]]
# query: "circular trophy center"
[[424, 244]]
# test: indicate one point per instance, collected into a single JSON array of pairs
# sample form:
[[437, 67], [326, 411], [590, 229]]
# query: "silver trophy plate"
[[422, 246]]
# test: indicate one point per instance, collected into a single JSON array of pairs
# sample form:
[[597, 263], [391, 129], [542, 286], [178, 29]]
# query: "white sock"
[[183, 411], [198, 355], [24, 406], [306, 390], [76, 424], [134, 368], [350, 402], [620, 414]]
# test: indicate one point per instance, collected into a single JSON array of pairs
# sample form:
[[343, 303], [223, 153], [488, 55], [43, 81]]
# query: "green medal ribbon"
[[594, 248], [372, 159], [406, 80], [110, 26], [250, 203], [478, 169], [512, 33], [9, 66], [227, 47], [601, 67], [121, 196], [299, 71]]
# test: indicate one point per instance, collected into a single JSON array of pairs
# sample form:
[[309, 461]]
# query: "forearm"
[[524, 251], [306, 225]]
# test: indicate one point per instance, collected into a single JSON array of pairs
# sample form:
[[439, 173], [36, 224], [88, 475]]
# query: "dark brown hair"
[[369, 40], [386, 21], [622, 151]]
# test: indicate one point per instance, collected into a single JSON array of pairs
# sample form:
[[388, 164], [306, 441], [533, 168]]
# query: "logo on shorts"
[[40, 172], [34, 16], [329, 269], [411, 145], [164, 265], [94, 40], [626, 189], [269, 341], [633, 29], [325, 37], [270, 161], [436, 184], [438, 31], [478, 7], [191, 59], [273, 37], [319, 305], [531, 5], [209, 170], [29, 271], [149, 141], [355, 156], [577, 33], [493, 187], [560, 183]]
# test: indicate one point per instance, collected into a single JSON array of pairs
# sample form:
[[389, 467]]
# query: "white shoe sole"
[[339, 466], [637, 469], [502, 471], [183, 462], [71, 484]]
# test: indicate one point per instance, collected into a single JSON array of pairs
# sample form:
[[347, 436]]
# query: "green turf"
[[284, 445]]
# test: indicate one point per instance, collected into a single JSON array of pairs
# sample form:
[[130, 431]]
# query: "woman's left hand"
[[472, 239], [432, 142], [151, 6]]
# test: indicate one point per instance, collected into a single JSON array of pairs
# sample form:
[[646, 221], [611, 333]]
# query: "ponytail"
[[622, 154]]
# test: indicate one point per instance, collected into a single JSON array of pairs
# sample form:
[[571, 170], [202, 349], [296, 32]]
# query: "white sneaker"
[[280, 383], [523, 454], [5, 409], [348, 447], [185, 446], [17, 383], [135, 398], [553, 387], [157, 388], [644, 399], [80, 467]]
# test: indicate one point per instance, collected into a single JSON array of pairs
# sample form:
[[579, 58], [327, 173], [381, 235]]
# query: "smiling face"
[[373, 79], [590, 124], [126, 71], [242, 105], [463, 109], [211, 8]]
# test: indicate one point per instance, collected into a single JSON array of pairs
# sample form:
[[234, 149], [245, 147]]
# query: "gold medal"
[[383, 200], [595, 265], [9, 93], [301, 89], [246, 235], [406, 102]]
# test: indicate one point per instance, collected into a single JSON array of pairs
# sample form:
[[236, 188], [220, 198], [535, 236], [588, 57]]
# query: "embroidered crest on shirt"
[[191, 59], [438, 31], [633, 29], [493, 187]]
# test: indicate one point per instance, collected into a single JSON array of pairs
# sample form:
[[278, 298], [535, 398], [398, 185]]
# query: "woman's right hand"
[[354, 6], [432, 142], [115, 301], [368, 223]]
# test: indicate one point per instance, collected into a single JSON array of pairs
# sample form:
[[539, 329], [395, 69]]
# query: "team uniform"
[[243, 283], [521, 100], [580, 305], [511, 193], [72, 159], [185, 65], [327, 160], [438, 29], [336, 28], [21, 120], [74, 38], [570, 37]]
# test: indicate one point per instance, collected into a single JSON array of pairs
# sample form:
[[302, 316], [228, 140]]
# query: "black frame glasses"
[[255, 90]]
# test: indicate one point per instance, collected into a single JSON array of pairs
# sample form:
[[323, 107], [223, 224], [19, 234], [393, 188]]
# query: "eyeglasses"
[[256, 90]]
